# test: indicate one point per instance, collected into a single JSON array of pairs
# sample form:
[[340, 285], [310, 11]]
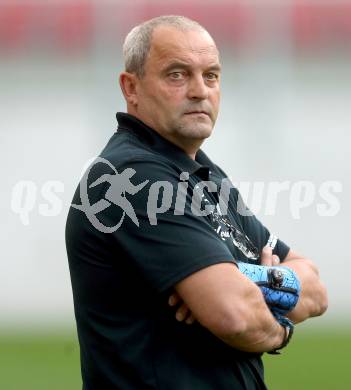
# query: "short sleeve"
[[258, 233], [163, 243]]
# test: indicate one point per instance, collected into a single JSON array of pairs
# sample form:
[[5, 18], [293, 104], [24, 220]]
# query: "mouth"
[[197, 113]]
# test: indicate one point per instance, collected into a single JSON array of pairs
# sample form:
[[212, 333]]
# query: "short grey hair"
[[137, 44]]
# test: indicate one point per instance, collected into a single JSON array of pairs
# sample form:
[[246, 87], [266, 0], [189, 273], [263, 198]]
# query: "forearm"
[[313, 299], [230, 306], [259, 331]]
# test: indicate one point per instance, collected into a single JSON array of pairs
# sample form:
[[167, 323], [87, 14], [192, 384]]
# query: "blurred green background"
[[315, 359]]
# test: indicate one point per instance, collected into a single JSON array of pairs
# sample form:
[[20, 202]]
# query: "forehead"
[[192, 47]]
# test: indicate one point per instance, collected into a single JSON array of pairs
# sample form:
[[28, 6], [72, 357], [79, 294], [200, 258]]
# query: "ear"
[[128, 83]]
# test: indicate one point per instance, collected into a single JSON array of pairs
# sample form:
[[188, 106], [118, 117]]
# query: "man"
[[176, 247]]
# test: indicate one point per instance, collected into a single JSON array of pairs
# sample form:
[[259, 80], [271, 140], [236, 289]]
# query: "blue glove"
[[279, 285]]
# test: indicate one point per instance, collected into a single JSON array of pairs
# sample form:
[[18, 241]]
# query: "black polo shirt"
[[121, 279]]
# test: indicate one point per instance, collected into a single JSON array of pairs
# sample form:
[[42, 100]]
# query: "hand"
[[267, 257], [280, 285], [314, 297], [183, 312]]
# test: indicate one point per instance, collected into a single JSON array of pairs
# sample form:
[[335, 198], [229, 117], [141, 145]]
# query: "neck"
[[189, 146]]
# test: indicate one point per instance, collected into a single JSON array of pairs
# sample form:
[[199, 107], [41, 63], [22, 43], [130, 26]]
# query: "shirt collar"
[[201, 164]]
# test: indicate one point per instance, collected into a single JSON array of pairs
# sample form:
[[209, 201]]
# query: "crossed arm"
[[313, 300], [232, 307]]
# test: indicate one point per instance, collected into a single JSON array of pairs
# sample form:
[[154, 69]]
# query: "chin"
[[201, 131], [196, 130]]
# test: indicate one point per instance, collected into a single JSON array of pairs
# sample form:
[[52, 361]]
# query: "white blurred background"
[[285, 117]]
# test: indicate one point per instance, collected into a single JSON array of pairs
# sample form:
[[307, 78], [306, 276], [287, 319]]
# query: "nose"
[[197, 88]]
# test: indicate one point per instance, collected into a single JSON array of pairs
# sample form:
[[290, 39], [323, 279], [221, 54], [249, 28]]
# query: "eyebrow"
[[216, 67], [185, 65]]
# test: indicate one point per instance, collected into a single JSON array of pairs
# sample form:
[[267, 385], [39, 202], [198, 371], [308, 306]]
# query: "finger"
[[182, 312], [266, 256], [174, 299], [190, 320], [275, 260], [188, 315]]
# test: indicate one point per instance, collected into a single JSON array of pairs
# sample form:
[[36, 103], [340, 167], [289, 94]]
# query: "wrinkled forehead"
[[170, 44]]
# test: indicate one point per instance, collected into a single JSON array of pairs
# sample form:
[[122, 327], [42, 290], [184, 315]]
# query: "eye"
[[211, 76], [176, 75]]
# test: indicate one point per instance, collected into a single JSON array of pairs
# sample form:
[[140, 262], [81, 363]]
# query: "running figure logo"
[[120, 184]]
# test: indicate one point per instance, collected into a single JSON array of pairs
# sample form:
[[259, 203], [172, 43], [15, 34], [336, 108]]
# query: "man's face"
[[179, 93]]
